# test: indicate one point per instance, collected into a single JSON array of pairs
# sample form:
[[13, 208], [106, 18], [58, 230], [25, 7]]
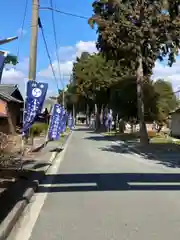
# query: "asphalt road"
[[105, 194]]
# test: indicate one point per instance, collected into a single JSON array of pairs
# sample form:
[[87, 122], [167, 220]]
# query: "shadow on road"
[[14, 193], [112, 182], [87, 129], [167, 154], [100, 138]]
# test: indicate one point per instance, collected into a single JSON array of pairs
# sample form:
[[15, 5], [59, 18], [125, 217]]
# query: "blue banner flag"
[[35, 96], [109, 119], [2, 60], [55, 122], [70, 121], [64, 121]]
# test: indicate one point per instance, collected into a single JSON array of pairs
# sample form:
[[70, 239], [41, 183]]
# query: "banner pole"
[[49, 124], [22, 137]]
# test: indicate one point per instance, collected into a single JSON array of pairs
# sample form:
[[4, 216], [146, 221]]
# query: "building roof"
[[6, 92], [8, 88]]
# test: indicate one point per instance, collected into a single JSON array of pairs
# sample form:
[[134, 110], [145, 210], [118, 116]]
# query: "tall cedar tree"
[[94, 76], [136, 33]]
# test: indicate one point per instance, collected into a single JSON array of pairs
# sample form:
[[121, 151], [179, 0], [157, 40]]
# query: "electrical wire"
[[65, 13], [46, 46], [55, 38], [22, 28]]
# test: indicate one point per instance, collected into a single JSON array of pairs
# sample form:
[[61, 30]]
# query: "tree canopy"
[[132, 36], [93, 76], [128, 29], [11, 59], [98, 81], [167, 100], [136, 34]]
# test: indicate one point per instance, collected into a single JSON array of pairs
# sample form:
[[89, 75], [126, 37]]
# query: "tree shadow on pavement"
[[127, 137], [111, 182], [167, 154], [57, 150], [101, 138]]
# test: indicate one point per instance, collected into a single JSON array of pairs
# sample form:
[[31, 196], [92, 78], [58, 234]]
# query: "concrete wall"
[[14, 118], [175, 125], [4, 126]]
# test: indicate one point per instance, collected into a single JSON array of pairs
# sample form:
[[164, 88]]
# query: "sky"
[[74, 36]]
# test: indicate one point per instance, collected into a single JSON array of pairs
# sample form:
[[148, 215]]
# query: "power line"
[[22, 28], [65, 13], [46, 46], [55, 38]]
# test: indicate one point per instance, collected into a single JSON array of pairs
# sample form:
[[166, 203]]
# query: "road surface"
[[97, 191]]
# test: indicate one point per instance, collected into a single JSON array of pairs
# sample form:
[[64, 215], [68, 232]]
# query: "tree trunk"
[[159, 128], [87, 115], [143, 131], [132, 127], [98, 114]]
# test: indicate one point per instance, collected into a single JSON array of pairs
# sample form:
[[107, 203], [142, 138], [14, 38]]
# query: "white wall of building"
[[175, 124]]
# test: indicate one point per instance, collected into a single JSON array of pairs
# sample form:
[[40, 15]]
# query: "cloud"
[[12, 75], [21, 32], [65, 67], [172, 74], [85, 47], [15, 76], [68, 55]]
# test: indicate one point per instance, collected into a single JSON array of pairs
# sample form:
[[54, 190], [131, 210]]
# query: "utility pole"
[[33, 47], [34, 39]]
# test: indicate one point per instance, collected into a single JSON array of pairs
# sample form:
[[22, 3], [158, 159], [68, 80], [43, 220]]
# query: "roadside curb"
[[32, 185]]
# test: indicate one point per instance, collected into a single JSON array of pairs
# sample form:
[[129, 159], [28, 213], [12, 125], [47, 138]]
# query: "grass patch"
[[38, 128], [122, 136], [165, 140], [161, 140], [133, 135], [61, 140]]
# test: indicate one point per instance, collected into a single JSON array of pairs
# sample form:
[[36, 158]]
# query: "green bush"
[[38, 128], [68, 130]]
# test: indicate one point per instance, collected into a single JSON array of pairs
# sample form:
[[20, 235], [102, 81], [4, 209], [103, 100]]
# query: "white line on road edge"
[[24, 227]]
